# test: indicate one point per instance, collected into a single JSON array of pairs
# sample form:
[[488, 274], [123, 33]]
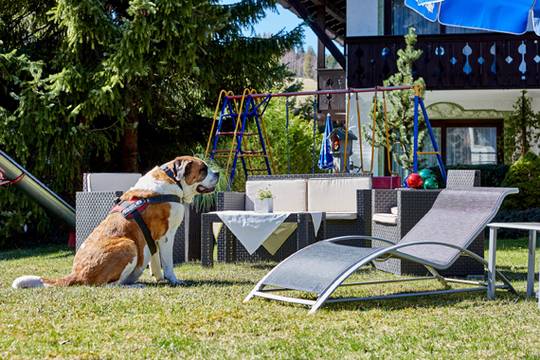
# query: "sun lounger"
[[436, 242]]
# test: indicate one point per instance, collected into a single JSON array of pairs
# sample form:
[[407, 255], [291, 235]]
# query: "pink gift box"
[[386, 182]]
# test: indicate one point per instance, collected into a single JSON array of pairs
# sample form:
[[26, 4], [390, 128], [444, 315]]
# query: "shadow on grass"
[[36, 252], [463, 300], [196, 283], [514, 273], [263, 266]]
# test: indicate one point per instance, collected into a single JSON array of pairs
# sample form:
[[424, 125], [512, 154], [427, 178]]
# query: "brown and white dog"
[[116, 251]]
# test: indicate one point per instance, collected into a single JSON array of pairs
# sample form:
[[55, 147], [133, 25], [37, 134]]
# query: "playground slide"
[[37, 190]]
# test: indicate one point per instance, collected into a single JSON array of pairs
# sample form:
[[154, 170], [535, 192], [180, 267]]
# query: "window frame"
[[498, 124]]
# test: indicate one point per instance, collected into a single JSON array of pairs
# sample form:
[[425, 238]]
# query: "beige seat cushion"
[[109, 181], [288, 195], [341, 215], [335, 195], [385, 218]]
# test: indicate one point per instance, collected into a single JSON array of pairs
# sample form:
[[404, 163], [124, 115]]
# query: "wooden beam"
[[319, 31], [335, 13], [321, 49]]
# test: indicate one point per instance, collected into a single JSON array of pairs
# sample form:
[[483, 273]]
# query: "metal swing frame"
[[252, 105]]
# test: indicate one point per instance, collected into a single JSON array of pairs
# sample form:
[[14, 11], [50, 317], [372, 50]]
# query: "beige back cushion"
[[335, 194], [288, 195]]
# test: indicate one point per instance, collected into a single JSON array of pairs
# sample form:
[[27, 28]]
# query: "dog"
[[117, 251]]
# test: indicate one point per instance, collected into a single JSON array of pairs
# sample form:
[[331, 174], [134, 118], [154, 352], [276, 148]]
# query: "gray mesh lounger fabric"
[[456, 219], [332, 258]]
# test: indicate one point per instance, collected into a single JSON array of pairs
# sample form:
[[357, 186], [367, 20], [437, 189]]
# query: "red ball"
[[414, 181]]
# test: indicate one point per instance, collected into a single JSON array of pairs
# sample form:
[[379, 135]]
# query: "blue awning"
[[506, 16]]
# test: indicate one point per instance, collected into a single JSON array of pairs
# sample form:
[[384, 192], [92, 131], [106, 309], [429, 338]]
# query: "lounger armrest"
[[364, 209], [231, 200], [383, 200], [413, 205]]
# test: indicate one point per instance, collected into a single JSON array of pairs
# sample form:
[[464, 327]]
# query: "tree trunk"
[[130, 143]]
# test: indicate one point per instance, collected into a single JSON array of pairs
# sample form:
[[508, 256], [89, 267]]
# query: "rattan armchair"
[[409, 207]]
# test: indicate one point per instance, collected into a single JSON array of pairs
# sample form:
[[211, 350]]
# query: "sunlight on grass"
[[207, 319]]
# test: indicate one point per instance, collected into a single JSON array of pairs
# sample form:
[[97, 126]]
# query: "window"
[[465, 142]]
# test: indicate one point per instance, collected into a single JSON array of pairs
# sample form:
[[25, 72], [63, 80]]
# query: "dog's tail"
[[32, 281]]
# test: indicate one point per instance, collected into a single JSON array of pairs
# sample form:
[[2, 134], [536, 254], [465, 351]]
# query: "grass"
[[208, 320]]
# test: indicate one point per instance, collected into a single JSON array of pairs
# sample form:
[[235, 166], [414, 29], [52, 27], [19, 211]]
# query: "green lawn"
[[207, 319]]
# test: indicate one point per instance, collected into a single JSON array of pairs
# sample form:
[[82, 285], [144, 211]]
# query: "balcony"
[[451, 61]]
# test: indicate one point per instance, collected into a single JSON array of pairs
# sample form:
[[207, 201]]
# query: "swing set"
[[238, 112]]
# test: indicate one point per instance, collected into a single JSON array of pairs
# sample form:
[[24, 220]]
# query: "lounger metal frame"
[[266, 291]]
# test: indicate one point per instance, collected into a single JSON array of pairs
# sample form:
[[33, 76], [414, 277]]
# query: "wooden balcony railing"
[[451, 61]]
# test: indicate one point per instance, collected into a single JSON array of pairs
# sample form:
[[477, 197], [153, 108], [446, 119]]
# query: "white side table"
[[533, 228]]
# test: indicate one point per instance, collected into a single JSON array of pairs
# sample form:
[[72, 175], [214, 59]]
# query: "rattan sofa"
[[355, 203], [396, 212]]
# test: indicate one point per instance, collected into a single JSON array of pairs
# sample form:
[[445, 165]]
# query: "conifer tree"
[[309, 63], [521, 129], [80, 79], [400, 107]]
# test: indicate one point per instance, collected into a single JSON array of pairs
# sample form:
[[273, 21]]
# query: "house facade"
[[473, 78]]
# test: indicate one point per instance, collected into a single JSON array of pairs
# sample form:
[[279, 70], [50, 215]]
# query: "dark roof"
[[335, 15]]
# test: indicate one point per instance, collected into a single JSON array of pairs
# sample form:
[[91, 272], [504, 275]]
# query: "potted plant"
[[264, 201]]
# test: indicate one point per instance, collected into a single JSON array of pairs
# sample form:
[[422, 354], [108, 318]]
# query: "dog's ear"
[[181, 168]]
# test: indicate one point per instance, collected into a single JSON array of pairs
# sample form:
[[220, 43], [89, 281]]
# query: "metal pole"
[[313, 151], [328, 92], [287, 135], [37, 190], [415, 144], [436, 149]]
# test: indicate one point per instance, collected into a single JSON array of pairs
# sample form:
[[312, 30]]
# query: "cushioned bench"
[[346, 200]]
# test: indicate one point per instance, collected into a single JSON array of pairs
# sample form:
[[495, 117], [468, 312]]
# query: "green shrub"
[[525, 175], [510, 215]]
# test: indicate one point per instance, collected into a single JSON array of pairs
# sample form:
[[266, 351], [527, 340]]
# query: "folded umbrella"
[[326, 160]]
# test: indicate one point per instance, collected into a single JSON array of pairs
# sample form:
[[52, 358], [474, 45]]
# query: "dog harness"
[[131, 209]]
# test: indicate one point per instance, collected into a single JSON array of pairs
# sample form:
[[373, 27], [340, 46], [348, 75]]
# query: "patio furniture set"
[[326, 226], [350, 206]]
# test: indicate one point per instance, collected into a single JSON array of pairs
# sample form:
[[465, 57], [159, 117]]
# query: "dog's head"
[[194, 175]]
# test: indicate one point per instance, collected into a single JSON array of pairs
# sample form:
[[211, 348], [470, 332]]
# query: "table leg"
[[302, 231], [491, 263], [322, 231], [530, 268], [207, 241]]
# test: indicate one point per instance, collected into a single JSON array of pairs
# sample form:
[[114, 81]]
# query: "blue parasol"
[[506, 16], [326, 160]]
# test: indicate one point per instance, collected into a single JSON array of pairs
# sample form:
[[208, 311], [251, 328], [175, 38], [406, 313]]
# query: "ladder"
[[245, 115], [418, 101]]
